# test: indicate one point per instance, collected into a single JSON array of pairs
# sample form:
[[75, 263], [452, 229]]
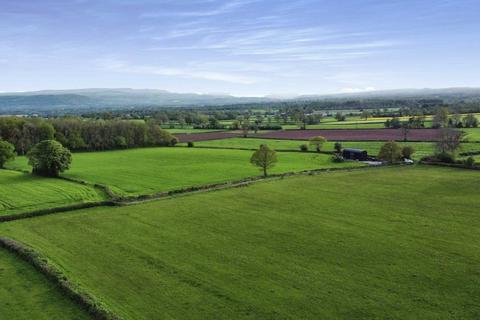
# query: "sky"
[[239, 47]]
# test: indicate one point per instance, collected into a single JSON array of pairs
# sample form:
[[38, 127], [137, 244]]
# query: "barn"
[[355, 154]]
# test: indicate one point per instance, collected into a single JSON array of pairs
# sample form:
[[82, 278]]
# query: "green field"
[[373, 147], [472, 134], [151, 170], [386, 243], [26, 294], [22, 192]]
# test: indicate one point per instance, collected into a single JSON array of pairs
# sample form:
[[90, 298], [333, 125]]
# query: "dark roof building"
[[355, 154]]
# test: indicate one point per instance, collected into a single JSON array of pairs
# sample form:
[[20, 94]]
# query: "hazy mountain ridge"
[[98, 98]]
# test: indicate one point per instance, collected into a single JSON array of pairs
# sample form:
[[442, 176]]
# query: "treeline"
[[79, 134]]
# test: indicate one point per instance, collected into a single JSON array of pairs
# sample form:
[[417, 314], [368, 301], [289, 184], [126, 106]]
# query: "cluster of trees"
[[81, 134], [47, 158], [443, 119], [392, 152], [414, 122]]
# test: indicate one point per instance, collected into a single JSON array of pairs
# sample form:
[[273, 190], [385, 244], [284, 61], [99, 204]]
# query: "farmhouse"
[[355, 154]]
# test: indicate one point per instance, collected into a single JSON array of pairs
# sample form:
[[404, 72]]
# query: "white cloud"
[[123, 67]]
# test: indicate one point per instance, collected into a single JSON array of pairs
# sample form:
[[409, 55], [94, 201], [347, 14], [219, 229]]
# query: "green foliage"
[[264, 158], [49, 158], [7, 153], [317, 142], [390, 152], [342, 238], [338, 158], [440, 118], [407, 152], [469, 162], [338, 147], [304, 147], [190, 144]]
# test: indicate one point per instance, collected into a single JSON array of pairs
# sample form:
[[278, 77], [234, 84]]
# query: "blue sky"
[[241, 47]]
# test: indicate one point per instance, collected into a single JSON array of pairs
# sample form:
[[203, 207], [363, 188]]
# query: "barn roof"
[[354, 150]]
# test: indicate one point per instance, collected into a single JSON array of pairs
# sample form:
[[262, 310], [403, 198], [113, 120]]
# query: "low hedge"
[[43, 212], [95, 308]]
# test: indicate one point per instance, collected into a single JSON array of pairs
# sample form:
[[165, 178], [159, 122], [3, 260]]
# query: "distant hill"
[[64, 101], [111, 98]]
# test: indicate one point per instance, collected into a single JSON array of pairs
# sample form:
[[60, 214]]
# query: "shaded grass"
[[21, 192], [27, 294], [151, 170], [389, 243]]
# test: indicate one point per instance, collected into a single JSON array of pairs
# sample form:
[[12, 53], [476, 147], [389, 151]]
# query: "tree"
[[449, 141], [49, 158], [407, 152], [390, 152], [338, 147], [317, 142], [245, 123], [264, 158], [440, 119], [470, 121], [340, 117], [365, 114], [7, 152]]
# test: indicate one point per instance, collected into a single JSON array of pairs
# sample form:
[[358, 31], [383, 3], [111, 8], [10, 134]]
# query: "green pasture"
[[383, 243], [373, 147], [472, 134], [27, 294], [21, 192], [151, 170]]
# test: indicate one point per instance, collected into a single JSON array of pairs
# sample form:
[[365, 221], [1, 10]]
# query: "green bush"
[[469, 162], [304, 147], [190, 144]]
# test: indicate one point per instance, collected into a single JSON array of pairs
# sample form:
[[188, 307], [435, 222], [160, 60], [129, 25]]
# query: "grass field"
[[20, 192], [387, 243], [150, 170], [472, 134], [373, 147], [26, 294]]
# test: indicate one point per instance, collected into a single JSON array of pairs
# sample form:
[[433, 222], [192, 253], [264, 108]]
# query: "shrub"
[[338, 158], [304, 147], [190, 144], [317, 142], [469, 162], [445, 157], [338, 147], [390, 152], [7, 152], [407, 152], [173, 142]]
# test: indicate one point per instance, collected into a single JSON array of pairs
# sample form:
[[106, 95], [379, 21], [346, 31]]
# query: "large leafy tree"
[[49, 158], [264, 158], [390, 152], [7, 152]]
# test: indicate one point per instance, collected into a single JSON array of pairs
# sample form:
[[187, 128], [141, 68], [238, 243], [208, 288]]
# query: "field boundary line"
[[47, 211], [237, 184], [87, 302]]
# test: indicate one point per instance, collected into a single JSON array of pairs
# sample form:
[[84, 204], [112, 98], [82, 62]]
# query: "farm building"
[[355, 154]]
